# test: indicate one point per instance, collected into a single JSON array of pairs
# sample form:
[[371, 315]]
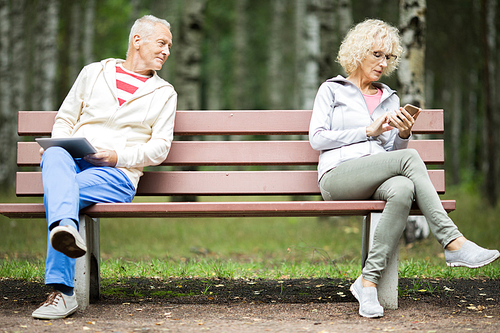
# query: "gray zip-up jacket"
[[339, 121]]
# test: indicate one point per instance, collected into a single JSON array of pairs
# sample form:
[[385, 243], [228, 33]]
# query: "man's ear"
[[136, 41]]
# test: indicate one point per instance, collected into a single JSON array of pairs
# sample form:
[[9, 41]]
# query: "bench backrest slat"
[[39, 123], [158, 183], [244, 153]]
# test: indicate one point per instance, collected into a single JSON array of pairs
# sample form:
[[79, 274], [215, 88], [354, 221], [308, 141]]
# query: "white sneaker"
[[367, 297], [67, 240], [470, 255], [57, 306]]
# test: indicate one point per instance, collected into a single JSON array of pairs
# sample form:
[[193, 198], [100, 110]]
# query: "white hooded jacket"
[[140, 131], [339, 120]]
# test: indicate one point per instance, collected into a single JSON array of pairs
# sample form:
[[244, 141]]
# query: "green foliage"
[[112, 26]]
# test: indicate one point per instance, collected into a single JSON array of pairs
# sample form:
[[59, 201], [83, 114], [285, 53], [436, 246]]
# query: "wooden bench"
[[287, 168]]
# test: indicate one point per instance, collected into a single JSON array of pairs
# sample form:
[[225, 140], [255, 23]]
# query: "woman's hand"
[[403, 121], [103, 158], [379, 126]]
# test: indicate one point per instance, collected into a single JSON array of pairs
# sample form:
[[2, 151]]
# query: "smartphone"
[[411, 109]]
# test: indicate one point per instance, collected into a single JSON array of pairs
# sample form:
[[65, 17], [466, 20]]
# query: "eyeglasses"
[[379, 56]]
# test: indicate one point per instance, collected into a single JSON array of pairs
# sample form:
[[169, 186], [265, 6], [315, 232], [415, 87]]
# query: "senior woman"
[[363, 157]]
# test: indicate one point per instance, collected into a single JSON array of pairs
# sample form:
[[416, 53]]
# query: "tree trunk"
[[240, 50], [490, 125], [75, 49], [344, 17], [328, 38], [335, 21], [189, 38], [46, 55], [456, 133], [472, 116], [89, 32], [5, 76], [18, 56], [308, 51], [276, 54], [411, 74], [170, 11], [7, 114]]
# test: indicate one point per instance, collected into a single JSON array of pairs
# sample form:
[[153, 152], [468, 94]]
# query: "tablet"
[[78, 147]]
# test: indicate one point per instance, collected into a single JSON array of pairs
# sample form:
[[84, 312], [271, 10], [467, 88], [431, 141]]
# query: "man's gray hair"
[[144, 27]]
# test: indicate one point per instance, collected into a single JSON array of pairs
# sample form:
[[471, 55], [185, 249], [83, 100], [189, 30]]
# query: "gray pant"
[[398, 177]]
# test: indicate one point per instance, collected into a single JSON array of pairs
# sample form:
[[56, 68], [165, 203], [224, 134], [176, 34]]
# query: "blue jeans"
[[70, 185], [398, 177]]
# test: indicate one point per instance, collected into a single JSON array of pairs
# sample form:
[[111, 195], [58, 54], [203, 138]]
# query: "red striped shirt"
[[127, 83]]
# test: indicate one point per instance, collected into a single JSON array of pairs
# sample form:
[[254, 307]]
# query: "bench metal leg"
[[87, 270], [387, 287]]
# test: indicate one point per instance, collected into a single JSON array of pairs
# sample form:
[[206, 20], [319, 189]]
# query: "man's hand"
[[103, 158]]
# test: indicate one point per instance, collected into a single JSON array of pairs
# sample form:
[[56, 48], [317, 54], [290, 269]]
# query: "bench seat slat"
[[243, 153], [217, 209], [158, 183], [39, 123]]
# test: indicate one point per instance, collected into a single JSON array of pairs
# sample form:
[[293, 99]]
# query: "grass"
[[116, 269], [250, 248]]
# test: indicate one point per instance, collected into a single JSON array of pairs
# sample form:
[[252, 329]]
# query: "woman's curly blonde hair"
[[359, 41]]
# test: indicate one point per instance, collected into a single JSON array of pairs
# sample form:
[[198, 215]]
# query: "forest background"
[[266, 54]]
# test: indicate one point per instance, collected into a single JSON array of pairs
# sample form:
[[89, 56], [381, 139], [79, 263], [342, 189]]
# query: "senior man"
[[127, 113]]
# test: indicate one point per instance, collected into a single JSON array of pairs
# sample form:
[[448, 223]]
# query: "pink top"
[[373, 100]]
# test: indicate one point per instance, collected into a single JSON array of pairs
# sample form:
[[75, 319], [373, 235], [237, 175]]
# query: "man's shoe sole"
[[64, 241]]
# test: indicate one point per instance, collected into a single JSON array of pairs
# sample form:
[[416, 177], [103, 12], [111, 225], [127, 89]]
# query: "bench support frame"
[[88, 267], [387, 287]]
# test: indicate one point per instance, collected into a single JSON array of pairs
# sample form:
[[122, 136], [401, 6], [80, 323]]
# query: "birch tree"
[[308, 51], [335, 21], [89, 32], [456, 124], [328, 39], [276, 54], [75, 49], [7, 118], [240, 48], [490, 120], [19, 50], [344, 17], [46, 59], [411, 71], [189, 37]]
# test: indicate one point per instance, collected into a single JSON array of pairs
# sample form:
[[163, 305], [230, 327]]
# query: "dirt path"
[[192, 305]]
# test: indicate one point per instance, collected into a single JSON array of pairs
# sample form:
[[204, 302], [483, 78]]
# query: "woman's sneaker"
[[369, 305], [57, 306], [470, 255], [68, 241]]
